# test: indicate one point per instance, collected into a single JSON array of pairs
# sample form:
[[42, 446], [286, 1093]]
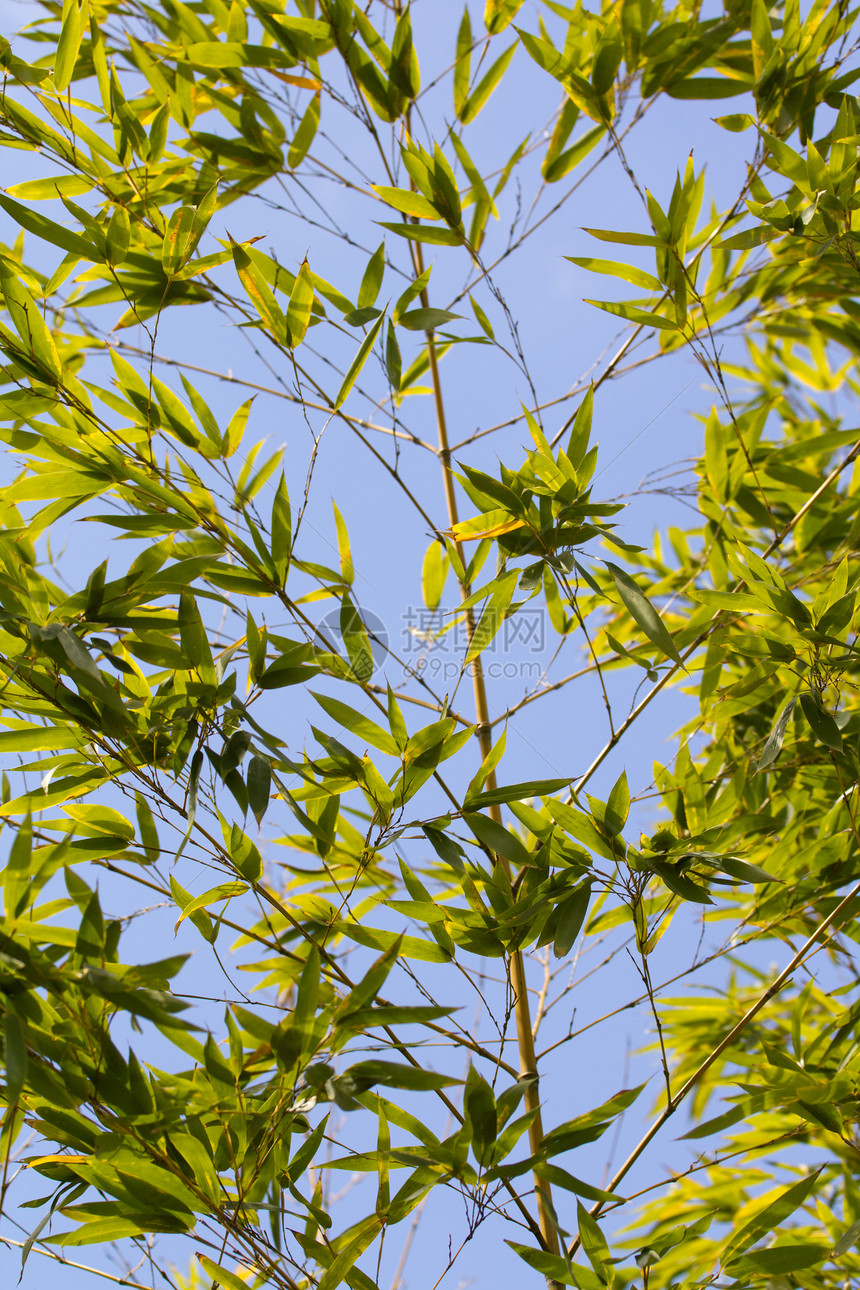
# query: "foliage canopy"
[[182, 733]]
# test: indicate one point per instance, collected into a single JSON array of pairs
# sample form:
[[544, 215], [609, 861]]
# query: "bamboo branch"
[[736, 1030]]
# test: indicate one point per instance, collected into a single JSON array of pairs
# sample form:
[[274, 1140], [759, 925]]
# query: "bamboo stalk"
[[519, 984]]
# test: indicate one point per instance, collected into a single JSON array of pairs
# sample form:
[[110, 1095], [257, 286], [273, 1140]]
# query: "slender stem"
[[774, 988], [70, 1263], [519, 983]]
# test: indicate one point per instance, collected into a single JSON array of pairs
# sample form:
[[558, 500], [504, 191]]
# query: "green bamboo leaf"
[[821, 723], [229, 53], [418, 233], [203, 213], [498, 13], [36, 340], [497, 838], [357, 363], [849, 1237], [493, 616], [75, 20], [769, 1218], [627, 239], [708, 87], [434, 573], [404, 71], [99, 1231], [571, 916], [243, 852], [117, 237], [479, 1109], [372, 278], [18, 871], [643, 613], [281, 530], [393, 359], [627, 272], [397, 1075], [391, 1015], [199, 918], [773, 746], [426, 319], [462, 63], [236, 429], [214, 896], [339, 1269], [676, 880], [744, 871], [305, 132], [483, 321], [407, 201], [158, 134], [594, 1245], [357, 724], [560, 166], [716, 1125], [356, 640], [618, 805], [480, 94], [555, 1268], [259, 781], [177, 245], [38, 739], [37, 190], [376, 938], [779, 1259], [633, 314], [250, 488], [300, 305], [259, 293], [194, 638], [363, 995], [220, 1275], [361, 317], [515, 792], [412, 292]]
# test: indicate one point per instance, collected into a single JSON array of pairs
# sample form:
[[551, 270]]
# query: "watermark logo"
[[447, 632], [434, 642]]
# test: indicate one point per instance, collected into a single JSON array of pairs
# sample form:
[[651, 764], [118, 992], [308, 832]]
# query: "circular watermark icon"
[[358, 635]]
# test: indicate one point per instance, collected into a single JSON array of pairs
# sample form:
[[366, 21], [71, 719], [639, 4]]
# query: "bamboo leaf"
[[305, 132], [372, 278], [633, 314], [300, 305], [259, 781], [773, 746], [462, 62], [214, 896], [643, 613], [418, 233], [34, 222], [259, 293], [36, 340], [768, 1218], [75, 21], [572, 912], [479, 95], [220, 1275], [362, 727], [357, 363]]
